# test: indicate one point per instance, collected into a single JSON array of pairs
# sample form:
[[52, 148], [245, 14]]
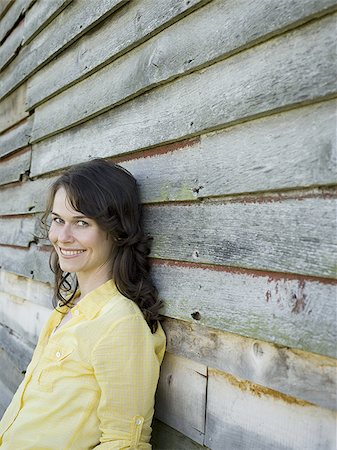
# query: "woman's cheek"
[[52, 235]]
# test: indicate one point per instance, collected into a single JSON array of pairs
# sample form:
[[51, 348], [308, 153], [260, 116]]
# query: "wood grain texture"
[[172, 53], [15, 138], [181, 396], [293, 149], [4, 6], [78, 18], [5, 394], [29, 197], [213, 98], [209, 165], [31, 290], [12, 15], [40, 15], [243, 415], [138, 21], [31, 263], [19, 351], [10, 47], [303, 375], [13, 108], [300, 374], [297, 235], [167, 438], [26, 319], [14, 168], [19, 232], [292, 312]]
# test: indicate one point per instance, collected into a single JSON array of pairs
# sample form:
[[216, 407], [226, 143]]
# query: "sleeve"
[[127, 369]]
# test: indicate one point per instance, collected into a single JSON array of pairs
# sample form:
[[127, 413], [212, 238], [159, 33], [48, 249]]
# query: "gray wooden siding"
[[225, 111]]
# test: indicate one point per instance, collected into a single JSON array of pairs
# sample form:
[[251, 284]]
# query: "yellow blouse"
[[92, 383]]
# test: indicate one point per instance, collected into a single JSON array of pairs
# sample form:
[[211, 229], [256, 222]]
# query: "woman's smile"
[[70, 253]]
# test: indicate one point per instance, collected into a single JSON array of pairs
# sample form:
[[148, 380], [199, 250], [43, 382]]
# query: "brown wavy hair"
[[108, 193]]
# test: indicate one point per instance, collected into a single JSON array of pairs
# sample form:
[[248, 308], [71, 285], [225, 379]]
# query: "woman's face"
[[82, 246]]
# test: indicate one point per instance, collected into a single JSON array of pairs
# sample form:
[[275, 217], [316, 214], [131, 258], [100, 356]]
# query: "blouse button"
[[76, 312], [58, 354], [138, 421]]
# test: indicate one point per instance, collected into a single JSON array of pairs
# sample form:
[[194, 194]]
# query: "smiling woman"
[[81, 245], [93, 376]]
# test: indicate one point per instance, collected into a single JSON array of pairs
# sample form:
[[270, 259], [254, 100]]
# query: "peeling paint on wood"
[[245, 416], [301, 375]]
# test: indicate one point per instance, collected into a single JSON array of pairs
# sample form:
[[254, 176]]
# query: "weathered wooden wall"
[[225, 111]]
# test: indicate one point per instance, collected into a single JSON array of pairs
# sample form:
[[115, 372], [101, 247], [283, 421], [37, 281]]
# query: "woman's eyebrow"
[[74, 217]]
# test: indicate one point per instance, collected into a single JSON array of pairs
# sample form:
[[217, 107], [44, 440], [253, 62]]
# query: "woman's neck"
[[88, 283]]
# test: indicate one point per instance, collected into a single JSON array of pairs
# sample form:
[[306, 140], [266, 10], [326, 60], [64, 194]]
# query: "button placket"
[[136, 430]]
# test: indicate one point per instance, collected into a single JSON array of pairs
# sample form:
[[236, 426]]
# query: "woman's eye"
[[82, 223], [57, 220]]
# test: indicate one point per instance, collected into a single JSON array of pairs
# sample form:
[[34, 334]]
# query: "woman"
[[93, 376]]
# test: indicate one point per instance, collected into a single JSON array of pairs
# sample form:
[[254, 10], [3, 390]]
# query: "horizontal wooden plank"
[[208, 166], [292, 312], [213, 98], [96, 49], [242, 415], [295, 235], [19, 232], [12, 16], [4, 6], [165, 56], [292, 372], [15, 138], [70, 25], [5, 396], [31, 263], [29, 196], [40, 15], [288, 311], [10, 376], [32, 290], [19, 352], [26, 319], [189, 171], [13, 108], [167, 438], [181, 396], [14, 168], [10, 47]]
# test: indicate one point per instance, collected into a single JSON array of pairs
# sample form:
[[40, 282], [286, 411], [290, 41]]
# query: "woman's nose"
[[65, 234]]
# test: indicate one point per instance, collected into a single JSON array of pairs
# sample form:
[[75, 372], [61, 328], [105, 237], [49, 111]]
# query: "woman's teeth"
[[71, 252]]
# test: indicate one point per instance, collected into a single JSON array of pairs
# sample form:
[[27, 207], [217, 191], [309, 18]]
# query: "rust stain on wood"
[[272, 276], [274, 197], [258, 390], [15, 246], [158, 150], [299, 299]]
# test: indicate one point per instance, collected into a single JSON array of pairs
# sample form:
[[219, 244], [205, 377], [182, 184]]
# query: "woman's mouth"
[[70, 253]]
